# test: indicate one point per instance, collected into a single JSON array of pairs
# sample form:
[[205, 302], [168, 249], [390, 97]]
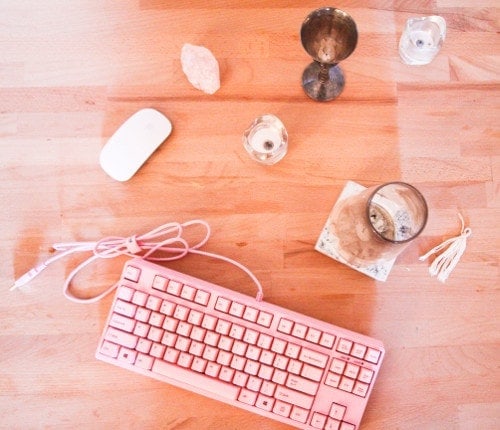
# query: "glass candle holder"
[[266, 139], [378, 223], [422, 39]]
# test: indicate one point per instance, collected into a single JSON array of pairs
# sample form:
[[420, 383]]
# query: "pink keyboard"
[[230, 347]]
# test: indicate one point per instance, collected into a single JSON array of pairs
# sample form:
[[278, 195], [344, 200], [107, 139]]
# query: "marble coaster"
[[328, 242]]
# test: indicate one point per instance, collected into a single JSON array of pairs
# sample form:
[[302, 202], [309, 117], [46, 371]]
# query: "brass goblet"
[[328, 35]]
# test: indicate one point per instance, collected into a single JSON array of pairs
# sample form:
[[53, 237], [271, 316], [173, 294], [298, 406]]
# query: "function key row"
[[358, 350], [239, 310], [178, 289], [302, 331]]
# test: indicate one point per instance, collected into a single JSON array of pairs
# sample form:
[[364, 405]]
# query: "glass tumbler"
[[378, 223], [422, 39], [266, 139]]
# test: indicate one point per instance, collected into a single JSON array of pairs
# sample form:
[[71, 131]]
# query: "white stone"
[[200, 67]]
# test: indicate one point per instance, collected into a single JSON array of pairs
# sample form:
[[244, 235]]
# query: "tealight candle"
[[266, 140]]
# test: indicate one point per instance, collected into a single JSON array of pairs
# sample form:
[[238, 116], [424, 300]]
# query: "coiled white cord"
[[164, 243]]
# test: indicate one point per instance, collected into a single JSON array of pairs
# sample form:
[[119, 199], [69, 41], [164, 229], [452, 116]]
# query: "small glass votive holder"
[[422, 39], [266, 139]]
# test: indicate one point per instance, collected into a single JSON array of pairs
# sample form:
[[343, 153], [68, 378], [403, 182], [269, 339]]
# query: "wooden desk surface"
[[72, 72]]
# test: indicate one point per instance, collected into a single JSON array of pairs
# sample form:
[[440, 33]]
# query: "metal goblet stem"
[[328, 35]]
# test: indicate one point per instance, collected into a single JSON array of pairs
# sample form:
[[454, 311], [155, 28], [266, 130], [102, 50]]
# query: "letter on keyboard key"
[[196, 380]]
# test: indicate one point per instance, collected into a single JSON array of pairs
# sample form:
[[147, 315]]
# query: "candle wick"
[[268, 144]]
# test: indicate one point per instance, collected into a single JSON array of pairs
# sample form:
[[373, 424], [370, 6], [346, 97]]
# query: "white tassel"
[[443, 264]]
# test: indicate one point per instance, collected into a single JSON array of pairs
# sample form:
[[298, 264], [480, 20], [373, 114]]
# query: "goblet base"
[[323, 82]]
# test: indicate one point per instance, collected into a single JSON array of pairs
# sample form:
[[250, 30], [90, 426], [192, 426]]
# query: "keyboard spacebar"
[[197, 380]]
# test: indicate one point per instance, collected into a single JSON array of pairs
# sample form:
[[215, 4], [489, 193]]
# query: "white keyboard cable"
[[165, 241]]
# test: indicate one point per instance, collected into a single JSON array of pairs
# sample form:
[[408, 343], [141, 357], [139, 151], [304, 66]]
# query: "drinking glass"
[[422, 39], [378, 223]]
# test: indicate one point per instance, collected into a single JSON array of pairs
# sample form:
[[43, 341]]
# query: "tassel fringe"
[[443, 264]]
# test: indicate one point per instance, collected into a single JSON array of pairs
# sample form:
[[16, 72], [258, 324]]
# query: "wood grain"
[[71, 73]]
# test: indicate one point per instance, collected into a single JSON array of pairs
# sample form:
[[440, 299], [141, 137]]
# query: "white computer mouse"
[[133, 143]]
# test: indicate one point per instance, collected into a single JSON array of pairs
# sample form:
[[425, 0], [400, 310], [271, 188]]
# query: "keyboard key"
[[222, 304], [311, 372], [140, 298], [332, 379], [301, 384], [299, 330], [337, 411], [358, 350], [236, 309], [153, 303], [268, 388], [346, 384], [144, 345], [202, 297], [299, 414], [125, 308], [122, 322], [344, 346], [247, 396], [181, 312], [365, 375], [250, 314], [278, 346], [174, 287], [223, 327], [208, 384], [132, 273], [318, 420], [327, 340], [121, 338], [264, 402], [160, 283], [312, 357], [285, 326], [188, 293], [372, 355], [282, 408], [167, 308], [332, 424], [293, 397], [142, 314], [125, 293], [360, 389], [313, 335], [351, 370], [144, 361], [127, 355], [251, 336], [109, 349], [337, 366], [264, 319]]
